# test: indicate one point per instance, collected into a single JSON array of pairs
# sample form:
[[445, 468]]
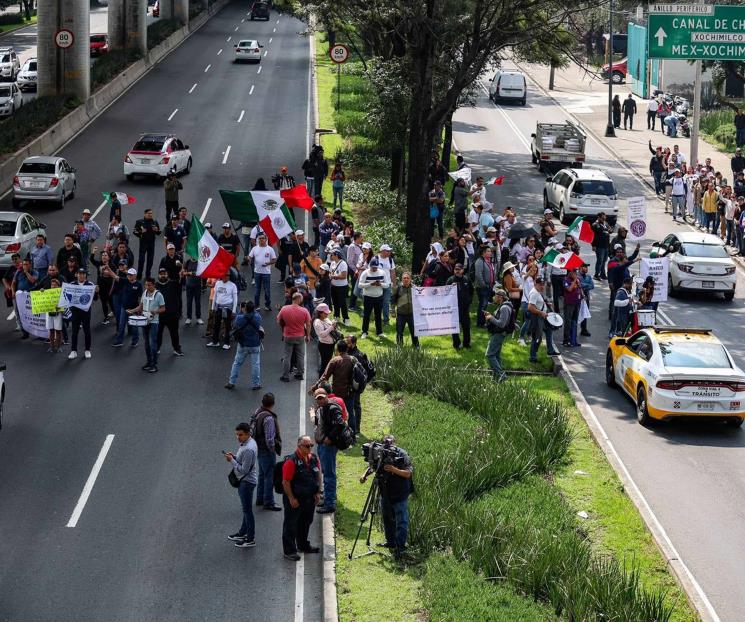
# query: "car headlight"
[[685, 267], [730, 270]]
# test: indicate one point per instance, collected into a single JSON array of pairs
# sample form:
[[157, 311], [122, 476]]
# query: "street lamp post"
[[609, 131]]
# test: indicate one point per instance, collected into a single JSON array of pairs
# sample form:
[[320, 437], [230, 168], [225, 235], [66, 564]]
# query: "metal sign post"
[[339, 54]]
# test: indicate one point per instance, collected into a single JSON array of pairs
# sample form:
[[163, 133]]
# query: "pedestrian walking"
[[325, 330], [616, 106], [652, 108], [601, 236], [294, 320], [404, 307], [80, 318], [388, 265], [629, 110], [329, 424], [243, 477], [169, 318], [338, 271], [301, 485], [171, 186], [587, 285], [340, 371], [151, 305], [224, 305], [248, 333]]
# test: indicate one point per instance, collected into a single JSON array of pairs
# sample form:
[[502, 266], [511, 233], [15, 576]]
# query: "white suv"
[[576, 192], [9, 64], [26, 78]]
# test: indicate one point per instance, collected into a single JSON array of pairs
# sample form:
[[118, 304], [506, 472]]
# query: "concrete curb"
[[78, 119]]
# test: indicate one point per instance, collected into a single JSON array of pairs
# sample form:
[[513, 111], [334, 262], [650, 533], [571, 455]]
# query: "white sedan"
[[157, 155], [248, 49], [698, 262]]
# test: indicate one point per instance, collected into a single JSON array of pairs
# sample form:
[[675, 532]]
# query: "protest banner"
[[461, 173], [45, 301], [658, 269], [435, 310], [76, 295], [35, 325], [636, 211]]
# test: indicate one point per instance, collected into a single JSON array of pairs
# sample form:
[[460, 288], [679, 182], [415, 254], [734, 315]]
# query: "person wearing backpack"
[[329, 427], [301, 483], [369, 368], [247, 333], [265, 431], [499, 325], [340, 370]]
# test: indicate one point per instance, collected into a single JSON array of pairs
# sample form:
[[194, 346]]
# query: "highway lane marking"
[[277, 20], [173, 114], [243, 20], [228, 39], [265, 53], [252, 90], [90, 482], [207, 68], [219, 52], [275, 30], [240, 118], [191, 90], [259, 71], [98, 209], [227, 153], [206, 209], [236, 29], [270, 39]]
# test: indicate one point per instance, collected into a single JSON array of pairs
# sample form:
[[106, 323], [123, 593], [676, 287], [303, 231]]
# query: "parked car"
[[26, 78], [44, 178], [698, 262], [18, 231], [157, 154], [156, 9], [260, 10], [619, 71], [10, 65], [11, 99], [585, 192], [249, 50], [508, 86], [2, 392], [99, 44]]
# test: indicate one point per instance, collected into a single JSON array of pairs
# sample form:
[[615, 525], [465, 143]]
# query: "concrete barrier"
[[76, 120]]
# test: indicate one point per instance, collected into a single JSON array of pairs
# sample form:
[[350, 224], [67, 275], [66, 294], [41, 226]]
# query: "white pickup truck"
[[558, 145]]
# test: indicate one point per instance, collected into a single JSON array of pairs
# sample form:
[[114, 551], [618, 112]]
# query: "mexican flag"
[[580, 229], [566, 261], [495, 181], [297, 197], [266, 208], [212, 260], [123, 197]]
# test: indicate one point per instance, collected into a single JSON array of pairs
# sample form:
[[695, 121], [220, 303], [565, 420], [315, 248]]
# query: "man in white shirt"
[[388, 266], [538, 309], [152, 304], [678, 194], [681, 158], [224, 305], [373, 282], [652, 108], [474, 215], [479, 188], [354, 252], [262, 258]]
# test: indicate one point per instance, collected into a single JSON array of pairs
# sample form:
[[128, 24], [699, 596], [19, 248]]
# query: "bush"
[[111, 65], [33, 119], [389, 231], [362, 156], [158, 31], [11, 19], [372, 192], [720, 126]]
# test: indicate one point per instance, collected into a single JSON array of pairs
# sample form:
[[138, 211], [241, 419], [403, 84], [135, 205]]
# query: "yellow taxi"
[[673, 372]]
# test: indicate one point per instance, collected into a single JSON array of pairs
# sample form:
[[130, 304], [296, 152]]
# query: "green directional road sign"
[[696, 32]]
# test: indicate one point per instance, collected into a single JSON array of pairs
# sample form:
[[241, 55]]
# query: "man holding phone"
[[244, 468]]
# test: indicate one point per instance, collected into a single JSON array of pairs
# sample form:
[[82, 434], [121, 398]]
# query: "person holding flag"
[[116, 200], [262, 258]]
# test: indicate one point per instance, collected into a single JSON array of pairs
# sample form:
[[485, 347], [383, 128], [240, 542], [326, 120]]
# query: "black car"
[[260, 10]]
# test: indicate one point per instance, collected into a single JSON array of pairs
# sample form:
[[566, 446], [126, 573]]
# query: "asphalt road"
[[151, 541], [692, 474]]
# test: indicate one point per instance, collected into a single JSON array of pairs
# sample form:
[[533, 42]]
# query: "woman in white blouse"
[[324, 328]]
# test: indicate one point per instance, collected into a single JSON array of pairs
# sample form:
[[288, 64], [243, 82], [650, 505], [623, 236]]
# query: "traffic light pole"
[[609, 131]]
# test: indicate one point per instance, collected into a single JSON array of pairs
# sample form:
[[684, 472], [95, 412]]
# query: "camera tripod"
[[368, 511]]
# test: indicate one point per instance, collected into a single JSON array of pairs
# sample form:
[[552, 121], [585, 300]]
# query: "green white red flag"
[[213, 261], [495, 181], [123, 197], [268, 208], [580, 229], [563, 261]]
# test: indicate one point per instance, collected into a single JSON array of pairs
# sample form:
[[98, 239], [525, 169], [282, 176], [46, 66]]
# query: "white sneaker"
[[363, 336], [226, 346], [522, 342], [199, 321], [72, 355], [212, 344], [87, 354], [187, 322], [346, 322]]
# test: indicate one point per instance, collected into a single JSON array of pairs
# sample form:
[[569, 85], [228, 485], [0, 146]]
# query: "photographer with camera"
[[329, 426], [393, 471]]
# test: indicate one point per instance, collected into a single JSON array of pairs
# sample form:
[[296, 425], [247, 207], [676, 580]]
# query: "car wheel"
[[670, 287], [546, 204], [61, 202], [617, 77], [130, 177], [642, 412], [610, 374], [562, 216], [729, 296], [187, 170]]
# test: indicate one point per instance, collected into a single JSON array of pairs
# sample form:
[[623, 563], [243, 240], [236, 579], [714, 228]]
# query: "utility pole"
[[696, 111], [551, 77], [609, 131]]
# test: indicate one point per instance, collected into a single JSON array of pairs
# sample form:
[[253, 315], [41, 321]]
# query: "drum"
[[137, 320], [646, 317], [554, 320]]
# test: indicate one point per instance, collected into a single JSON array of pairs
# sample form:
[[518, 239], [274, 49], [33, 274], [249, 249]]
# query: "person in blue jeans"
[[329, 424], [538, 308], [248, 333], [269, 442], [395, 487], [130, 299], [244, 470], [262, 257], [152, 305]]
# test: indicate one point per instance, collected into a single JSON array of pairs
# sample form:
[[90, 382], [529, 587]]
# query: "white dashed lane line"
[[259, 71], [207, 68], [191, 90], [252, 90], [173, 114], [240, 117], [90, 481], [225, 157], [219, 52], [206, 209], [265, 53], [228, 39], [236, 29]]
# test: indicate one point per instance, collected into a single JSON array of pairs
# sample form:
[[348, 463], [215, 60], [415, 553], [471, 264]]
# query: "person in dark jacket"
[[131, 293], [601, 236], [739, 128], [320, 171], [629, 110], [146, 230], [329, 424], [269, 442], [618, 270], [465, 296], [171, 262], [171, 290], [68, 250], [616, 112], [737, 163], [247, 330]]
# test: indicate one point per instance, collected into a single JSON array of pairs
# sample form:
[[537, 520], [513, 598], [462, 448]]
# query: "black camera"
[[378, 454]]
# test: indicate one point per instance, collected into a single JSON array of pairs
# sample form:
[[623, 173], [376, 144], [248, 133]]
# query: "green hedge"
[[110, 65], [720, 126], [10, 19], [158, 31], [33, 119]]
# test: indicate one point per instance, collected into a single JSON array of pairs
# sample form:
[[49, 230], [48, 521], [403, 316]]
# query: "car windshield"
[[694, 354], [149, 143], [98, 38], [46, 168], [5, 58], [4, 91], [717, 251], [7, 228], [591, 186], [31, 66]]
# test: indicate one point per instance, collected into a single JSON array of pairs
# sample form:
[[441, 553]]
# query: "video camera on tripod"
[[377, 454]]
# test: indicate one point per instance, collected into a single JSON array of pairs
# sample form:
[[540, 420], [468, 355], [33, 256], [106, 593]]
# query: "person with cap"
[[171, 186], [298, 248], [511, 283], [171, 262], [131, 294], [94, 231], [436, 198], [485, 276], [354, 252], [262, 258], [228, 240], [621, 308], [465, 296], [499, 326], [301, 485], [329, 425], [68, 249], [283, 180], [146, 229], [224, 305], [248, 333], [601, 237], [403, 303], [547, 227], [618, 270], [388, 265], [41, 255], [618, 239], [69, 273], [151, 305], [372, 283], [338, 271], [538, 309], [295, 322], [169, 318], [80, 318], [311, 267], [174, 234]]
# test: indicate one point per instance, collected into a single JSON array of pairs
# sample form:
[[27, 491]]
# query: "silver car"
[[26, 78], [11, 99], [18, 233], [44, 178]]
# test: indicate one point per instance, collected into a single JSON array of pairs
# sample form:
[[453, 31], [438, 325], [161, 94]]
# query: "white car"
[[2, 392], [11, 99], [9, 64], [157, 155], [248, 49], [508, 86], [673, 372], [585, 192], [44, 178], [26, 78], [698, 262]]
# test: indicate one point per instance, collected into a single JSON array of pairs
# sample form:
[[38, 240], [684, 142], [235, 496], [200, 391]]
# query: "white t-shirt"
[[473, 220], [536, 299], [255, 233], [337, 268], [386, 263], [482, 191], [262, 256]]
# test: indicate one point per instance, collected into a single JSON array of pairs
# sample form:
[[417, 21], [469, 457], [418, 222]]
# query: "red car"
[[619, 71], [99, 44], [156, 9]]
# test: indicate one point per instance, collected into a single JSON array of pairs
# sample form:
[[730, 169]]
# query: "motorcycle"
[[683, 126]]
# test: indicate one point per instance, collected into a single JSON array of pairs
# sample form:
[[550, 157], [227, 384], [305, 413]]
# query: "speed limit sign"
[[64, 38], [339, 53]]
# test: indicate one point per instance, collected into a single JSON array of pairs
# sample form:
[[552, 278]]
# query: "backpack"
[[345, 439], [509, 327], [277, 474], [359, 376], [367, 364]]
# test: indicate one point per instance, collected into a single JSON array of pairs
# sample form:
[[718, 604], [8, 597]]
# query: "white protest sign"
[[76, 295], [35, 325], [435, 310], [658, 269], [461, 173], [636, 211]]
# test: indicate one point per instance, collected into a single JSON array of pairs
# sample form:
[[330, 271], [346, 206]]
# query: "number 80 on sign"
[[64, 38], [339, 53]]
